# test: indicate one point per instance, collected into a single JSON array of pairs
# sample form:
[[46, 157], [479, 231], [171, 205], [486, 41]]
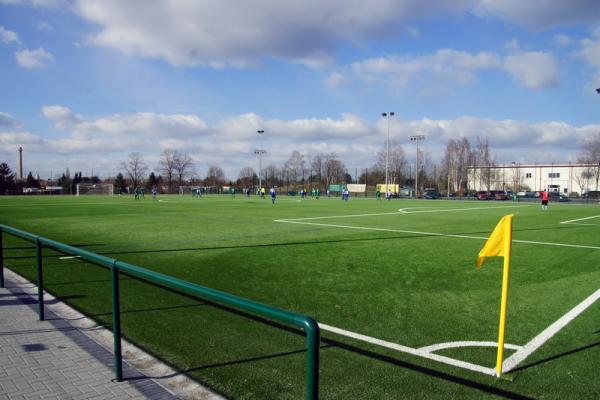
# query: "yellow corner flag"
[[499, 245]]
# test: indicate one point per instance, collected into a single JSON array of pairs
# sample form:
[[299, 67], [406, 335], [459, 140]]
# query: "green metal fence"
[[308, 324]]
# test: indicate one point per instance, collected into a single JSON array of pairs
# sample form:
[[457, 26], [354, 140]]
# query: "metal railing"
[[308, 324]]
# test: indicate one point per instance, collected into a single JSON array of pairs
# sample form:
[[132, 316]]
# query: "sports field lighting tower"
[[260, 151], [417, 139], [387, 147]]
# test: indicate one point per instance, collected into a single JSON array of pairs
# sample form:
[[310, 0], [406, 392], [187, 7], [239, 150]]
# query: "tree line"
[[175, 169]]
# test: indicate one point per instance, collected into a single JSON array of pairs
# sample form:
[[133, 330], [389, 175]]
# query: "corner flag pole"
[[499, 245], [504, 301]]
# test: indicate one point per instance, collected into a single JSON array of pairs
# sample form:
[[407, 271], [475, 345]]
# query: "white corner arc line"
[[68, 257], [547, 333], [469, 343], [409, 350], [579, 219]]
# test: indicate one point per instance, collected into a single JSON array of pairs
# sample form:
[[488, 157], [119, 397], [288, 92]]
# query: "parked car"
[[591, 194], [483, 195], [556, 196], [431, 194], [498, 195]]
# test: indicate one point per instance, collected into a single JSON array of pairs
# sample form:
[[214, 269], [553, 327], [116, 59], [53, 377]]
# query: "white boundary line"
[[579, 219], [427, 352], [409, 350], [466, 343], [399, 212], [546, 334], [577, 246]]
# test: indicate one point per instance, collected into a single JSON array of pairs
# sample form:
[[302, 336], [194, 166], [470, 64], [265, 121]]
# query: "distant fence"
[[308, 324]]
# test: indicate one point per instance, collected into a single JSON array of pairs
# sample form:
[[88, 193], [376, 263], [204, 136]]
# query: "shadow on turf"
[[328, 343], [317, 242], [556, 356]]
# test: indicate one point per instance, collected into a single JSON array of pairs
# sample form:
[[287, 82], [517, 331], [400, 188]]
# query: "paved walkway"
[[53, 359]]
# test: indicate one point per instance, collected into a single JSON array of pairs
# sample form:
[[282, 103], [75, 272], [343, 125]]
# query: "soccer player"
[[154, 191], [136, 193], [273, 195], [544, 196], [378, 194], [262, 193]]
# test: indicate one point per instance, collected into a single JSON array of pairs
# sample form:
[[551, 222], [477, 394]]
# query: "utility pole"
[[387, 147], [417, 139], [260, 151]]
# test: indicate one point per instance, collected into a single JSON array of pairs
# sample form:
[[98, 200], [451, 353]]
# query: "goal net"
[[189, 190], [94, 189]]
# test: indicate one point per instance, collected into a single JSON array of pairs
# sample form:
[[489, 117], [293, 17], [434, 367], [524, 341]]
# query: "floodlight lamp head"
[[598, 90], [260, 131], [392, 114], [384, 114]]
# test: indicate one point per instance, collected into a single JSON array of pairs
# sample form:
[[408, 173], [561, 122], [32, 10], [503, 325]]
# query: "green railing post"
[[313, 343], [40, 279], [116, 313], [1, 261]]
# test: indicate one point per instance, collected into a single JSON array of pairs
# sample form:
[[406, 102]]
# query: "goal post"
[[106, 189]]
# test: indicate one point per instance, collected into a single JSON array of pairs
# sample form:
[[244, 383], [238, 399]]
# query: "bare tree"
[[167, 167], [591, 155], [316, 165], [271, 172], [246, 176], [485, 161], [184, 166], [294, 166], [215, 176], [136, 168], [396, 162], [334, 169], [457, 158]]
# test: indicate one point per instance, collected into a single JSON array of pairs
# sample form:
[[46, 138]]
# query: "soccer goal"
[[95, 189], [188, 190]]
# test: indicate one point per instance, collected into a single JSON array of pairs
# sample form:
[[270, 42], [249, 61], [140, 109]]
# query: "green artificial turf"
[[366, 268]]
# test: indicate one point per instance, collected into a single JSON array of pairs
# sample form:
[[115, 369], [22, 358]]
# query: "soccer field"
[[403, 310]]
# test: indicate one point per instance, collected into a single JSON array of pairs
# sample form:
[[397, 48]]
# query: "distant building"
[[562, 178]]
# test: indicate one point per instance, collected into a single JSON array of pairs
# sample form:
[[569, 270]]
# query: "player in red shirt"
[[544, 195]]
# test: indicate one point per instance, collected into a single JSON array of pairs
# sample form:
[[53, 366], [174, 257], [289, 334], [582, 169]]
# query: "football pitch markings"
[[575, 221], [510, 363]]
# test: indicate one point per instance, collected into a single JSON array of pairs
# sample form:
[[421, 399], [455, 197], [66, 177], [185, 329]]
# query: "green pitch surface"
[[393, 283]]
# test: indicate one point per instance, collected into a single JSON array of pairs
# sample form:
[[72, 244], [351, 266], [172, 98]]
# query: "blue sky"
[[86, 82]]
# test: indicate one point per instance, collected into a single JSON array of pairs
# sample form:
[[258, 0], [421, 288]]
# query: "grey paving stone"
[[51, 360]]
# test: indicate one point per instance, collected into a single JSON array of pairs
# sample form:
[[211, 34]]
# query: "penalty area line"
[[435, 234], [579, 219]]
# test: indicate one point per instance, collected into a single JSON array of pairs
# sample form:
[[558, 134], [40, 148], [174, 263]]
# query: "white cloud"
[[103, 142], [8, 121], [563, 40], [38, 58], [44, 26], [542, 14], [7, 36], [457, 66], [218, 33], [590, 53], [535, 70], [37, 3]]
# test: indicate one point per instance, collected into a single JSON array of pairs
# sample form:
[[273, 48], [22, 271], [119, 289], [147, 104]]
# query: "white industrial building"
[[562, 178]]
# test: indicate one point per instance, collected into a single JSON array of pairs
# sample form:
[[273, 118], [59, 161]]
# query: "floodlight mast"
[[260, 151], [417, 139], [387, 148]]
